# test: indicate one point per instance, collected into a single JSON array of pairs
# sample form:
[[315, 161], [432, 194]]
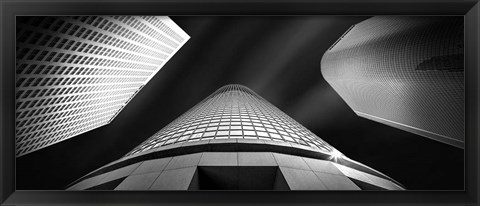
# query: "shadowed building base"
[[248, 170]]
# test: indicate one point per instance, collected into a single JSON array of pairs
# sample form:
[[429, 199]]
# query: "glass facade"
[[406, 72], [233, 112], [76, 73]]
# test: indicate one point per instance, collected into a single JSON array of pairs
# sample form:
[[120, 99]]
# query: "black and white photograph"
[[240, 102]]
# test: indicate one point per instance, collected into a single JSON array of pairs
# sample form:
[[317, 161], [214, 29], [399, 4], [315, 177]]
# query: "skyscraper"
[[406, 72], [234, 139], [76, 73]]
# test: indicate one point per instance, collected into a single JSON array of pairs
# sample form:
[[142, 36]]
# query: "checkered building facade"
[[234, 140], [233, 112], [76, 73]]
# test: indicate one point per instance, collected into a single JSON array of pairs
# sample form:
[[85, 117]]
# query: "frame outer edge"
[[7, 101], [472, 44], [7, 175], [2, 99]]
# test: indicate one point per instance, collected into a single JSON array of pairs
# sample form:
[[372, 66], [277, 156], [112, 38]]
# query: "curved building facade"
[[234, 140], [406, 72]]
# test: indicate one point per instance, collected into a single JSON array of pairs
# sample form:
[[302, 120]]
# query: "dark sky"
[[277, 57]]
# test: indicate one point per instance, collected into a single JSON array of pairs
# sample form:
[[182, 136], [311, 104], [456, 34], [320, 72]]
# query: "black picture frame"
[[10, 8]]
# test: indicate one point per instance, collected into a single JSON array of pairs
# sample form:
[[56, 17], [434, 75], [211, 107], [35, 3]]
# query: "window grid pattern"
[[406, 70], [233, 112], [76, 73]]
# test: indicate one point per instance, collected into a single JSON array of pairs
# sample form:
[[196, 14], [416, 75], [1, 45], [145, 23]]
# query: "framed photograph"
[[255, 103]]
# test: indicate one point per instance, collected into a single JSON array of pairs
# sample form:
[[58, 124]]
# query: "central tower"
[[235, 140]]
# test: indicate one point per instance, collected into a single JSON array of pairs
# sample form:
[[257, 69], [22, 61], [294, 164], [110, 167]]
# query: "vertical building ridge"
[[405, 72]]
